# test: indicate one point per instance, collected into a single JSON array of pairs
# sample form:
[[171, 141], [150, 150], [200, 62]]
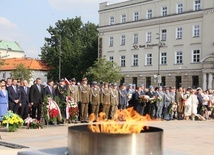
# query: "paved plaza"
[[180, 138]]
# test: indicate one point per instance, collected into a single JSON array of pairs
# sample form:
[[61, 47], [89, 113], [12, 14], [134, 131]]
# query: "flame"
[[125, 121]]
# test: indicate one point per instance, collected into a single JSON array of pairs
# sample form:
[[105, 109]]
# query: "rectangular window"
[[136, 16], [163, 35], [123, 18], [195, 82], [111, 41], [197, 5], [196, 56], [180, 8], [111, 20], [123, 61], [149, 14], [163, 81], [148, 37], [148, 59], [179, 57], [134, 81], [135, 38], [164, 11], [179, 33], [123, 40], [135, 60], [163, 58], [148, 82], [111, 58], [196, 31]]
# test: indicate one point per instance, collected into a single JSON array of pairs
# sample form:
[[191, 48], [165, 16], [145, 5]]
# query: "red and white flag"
[[67, 82]]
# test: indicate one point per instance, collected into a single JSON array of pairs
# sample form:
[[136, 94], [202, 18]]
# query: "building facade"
[[10, 49], [160, 42]]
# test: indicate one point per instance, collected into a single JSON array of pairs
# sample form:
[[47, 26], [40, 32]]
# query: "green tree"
[[104, 71], [72, 43], [21, 72]]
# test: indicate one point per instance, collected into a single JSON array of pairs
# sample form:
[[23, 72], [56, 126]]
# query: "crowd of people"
[[162, 103]]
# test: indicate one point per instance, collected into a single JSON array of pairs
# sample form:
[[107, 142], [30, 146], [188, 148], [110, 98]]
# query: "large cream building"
[[176, 34]]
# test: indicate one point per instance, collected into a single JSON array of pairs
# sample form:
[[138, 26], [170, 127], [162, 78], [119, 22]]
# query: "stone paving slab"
[[180, 138]]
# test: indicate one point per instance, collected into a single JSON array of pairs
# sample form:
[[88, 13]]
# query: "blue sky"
[[27, 21]]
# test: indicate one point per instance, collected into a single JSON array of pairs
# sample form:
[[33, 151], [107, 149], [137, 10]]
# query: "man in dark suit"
[[139, 104], [49, 89], [14, 96], [151, 104], [25, 99], [36, 98]]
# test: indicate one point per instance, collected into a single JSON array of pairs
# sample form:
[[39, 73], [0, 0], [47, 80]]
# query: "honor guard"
[[105, 99], [84, 92], [95, 99], [73, 90], [114, 100]]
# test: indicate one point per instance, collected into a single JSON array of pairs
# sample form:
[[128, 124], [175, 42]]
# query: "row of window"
[[163, 58], [178, 81], [149, 12], [163, 35]]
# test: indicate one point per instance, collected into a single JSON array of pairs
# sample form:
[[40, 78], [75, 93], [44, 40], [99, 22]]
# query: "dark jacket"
[[14, 95], [49, 92], [36, 96], [25, 96]]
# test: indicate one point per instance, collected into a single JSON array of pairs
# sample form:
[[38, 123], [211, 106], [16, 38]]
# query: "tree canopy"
[[21, 72], [72, 43], [104, 71]]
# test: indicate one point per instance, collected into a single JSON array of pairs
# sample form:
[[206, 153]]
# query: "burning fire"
[[125, 121]]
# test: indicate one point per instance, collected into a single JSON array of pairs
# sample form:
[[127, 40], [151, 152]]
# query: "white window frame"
[[111, 41], [164, 11], [180, 8], [136, 16], [123, 61], [111, 20], [149, 14], [163, 35], [178, 57], [135, 60], [197, 5], [148, 37], [148, 61], [196, 56], [123, 18], [196, 31], [163, 58], [123, 40], [135, 40], [179, 33]]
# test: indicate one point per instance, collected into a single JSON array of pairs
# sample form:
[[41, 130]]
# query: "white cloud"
[[5, 23], [9, 30]]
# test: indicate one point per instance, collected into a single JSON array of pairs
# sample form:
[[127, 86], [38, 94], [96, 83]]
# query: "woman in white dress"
[[191, 105], [187, 105]]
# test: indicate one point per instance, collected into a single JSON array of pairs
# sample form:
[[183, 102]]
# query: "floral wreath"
[[71, 108]]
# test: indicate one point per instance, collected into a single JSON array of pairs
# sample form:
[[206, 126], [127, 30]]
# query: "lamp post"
[[159, 46], [60, 57]]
